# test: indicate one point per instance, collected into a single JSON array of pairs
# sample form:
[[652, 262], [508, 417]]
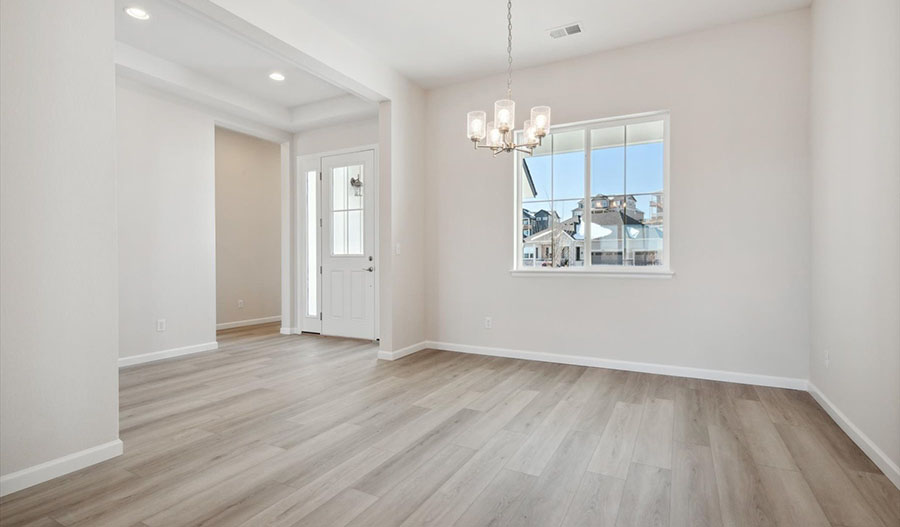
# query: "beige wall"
[[167, 253], [58, 292], [739, 299], [248, 227], [855, 167]]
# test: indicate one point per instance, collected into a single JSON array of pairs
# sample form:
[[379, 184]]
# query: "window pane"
[[608, 161], [355, 232], [536, 246], [339, 233], [312, 243], [339, 184], [644, 239], [644, 158], [354, 201], [568, 165], [568, 233], [536, 173]]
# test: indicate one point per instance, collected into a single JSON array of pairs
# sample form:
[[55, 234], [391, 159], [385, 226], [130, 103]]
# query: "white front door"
[[348, 245]]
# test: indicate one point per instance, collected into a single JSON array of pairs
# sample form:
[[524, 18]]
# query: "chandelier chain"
[[509, 50]]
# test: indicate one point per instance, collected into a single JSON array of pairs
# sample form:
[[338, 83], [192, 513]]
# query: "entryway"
[[338, 220]]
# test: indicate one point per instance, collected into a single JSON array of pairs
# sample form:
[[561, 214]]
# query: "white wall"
[[337, 137], [167, 254], [58, 291], [248, 227], [739, 194], [855, 168]]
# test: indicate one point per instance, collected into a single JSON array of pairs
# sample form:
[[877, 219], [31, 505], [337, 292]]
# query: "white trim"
[[890, 469], [645, 367], [613, 272], [289, 331], [167, 354], [403, 352], [60, 466], [248, 322]]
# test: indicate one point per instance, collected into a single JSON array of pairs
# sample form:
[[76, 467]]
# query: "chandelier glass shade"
[[499, 135]]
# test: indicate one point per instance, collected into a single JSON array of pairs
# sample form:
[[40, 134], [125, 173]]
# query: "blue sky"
[[645, 172]]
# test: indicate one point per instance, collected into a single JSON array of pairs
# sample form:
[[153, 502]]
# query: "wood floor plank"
[[842, 502], [340, 510], [547, 500], [763, 441], [792, 500], [653, 444], [495, 504], [492, 421], [297, 505], [616, 447], [742, 497], [690, 425], [881, 494], [408, 494], [695, 495], [450, 501], [596, 502], [645, 498]]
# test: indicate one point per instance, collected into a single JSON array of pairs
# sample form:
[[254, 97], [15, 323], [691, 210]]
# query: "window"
[[312, 244], [618, 167]]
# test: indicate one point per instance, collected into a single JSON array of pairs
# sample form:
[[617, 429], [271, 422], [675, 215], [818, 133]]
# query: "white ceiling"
[[198, 51], [437, 42]]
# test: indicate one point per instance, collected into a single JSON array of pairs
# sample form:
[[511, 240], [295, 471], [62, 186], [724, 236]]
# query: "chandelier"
[[499, 134]]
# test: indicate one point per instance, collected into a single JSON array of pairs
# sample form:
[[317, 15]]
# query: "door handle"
[[370, 268]]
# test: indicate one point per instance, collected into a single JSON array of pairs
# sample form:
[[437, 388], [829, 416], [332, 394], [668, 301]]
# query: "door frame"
[[308, 324]]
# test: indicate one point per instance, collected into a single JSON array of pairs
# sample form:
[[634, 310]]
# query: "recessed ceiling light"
[[138, 13], [276, 76]]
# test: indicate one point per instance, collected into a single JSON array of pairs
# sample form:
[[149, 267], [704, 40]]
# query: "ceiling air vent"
[[564, 31]]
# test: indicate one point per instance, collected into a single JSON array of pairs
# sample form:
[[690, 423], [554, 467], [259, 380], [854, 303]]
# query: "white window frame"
[[654, 271]]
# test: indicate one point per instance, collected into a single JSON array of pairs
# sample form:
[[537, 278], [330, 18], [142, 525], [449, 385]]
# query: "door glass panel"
[[312, 245], [339, 230], [355, 196], [339, 188], [348, 237], [355, 232]]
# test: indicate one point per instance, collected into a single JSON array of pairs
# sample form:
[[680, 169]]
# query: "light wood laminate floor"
[[305, 430]]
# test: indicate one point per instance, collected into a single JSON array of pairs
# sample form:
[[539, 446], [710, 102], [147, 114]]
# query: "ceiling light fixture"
[[499, 134], [276, 76], [137, 12]]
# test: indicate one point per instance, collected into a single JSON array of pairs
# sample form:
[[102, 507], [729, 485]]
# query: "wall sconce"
[[356, 183]]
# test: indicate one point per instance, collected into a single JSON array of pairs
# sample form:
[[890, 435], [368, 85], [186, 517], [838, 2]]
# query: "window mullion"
[[588, 204]]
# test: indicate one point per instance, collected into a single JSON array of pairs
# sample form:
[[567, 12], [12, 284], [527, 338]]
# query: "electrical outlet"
[[827, 358], [161, 324], [488, 323], [240, 304]]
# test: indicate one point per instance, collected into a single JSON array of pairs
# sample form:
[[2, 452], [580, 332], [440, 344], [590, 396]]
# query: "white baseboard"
[[167, 354], [402, 352], [61, 466], [645, 367], [289, 331], [890, 469], [248, 322]]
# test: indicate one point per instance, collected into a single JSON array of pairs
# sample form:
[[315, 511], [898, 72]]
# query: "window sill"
[[620, 272]]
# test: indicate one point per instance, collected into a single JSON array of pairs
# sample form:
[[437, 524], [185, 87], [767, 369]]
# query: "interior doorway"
[[339, 265]]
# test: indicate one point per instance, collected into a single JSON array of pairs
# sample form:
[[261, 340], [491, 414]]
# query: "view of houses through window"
[[624, 184]]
